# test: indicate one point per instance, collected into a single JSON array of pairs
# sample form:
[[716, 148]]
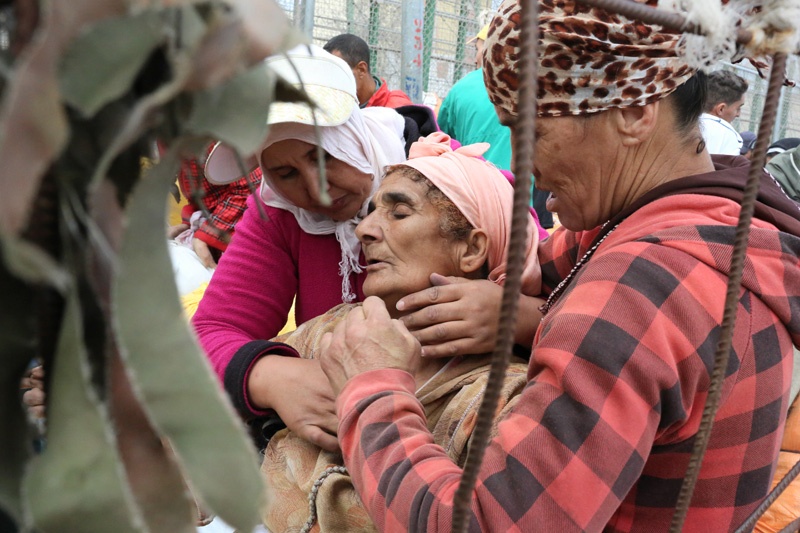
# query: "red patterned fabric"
[[225, 203], [602, 434]]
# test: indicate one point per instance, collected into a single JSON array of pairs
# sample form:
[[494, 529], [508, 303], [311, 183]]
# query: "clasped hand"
[[368, 339]]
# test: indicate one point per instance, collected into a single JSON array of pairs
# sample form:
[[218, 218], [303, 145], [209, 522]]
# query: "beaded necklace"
[[551, 300]]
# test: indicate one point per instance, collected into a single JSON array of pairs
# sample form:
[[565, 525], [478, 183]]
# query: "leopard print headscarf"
[[589, 59]]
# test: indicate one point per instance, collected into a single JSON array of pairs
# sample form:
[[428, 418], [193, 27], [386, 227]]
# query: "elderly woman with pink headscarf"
[[636, 280], [441, 211], [293, 245]]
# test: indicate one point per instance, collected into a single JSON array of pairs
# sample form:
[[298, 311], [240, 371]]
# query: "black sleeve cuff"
[[238, 369]]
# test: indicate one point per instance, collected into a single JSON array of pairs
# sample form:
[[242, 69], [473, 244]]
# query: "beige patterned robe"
[[292, 465]]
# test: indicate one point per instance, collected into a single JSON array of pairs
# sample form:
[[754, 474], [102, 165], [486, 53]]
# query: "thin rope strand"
[[770, 499], [523, 168], [732, 297]]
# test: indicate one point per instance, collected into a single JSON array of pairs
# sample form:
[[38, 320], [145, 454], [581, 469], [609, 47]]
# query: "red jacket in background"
[[383, 97]]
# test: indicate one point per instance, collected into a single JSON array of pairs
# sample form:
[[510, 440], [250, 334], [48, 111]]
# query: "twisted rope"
[[523, 168], [732, 297], [794, 527], [770, 499]]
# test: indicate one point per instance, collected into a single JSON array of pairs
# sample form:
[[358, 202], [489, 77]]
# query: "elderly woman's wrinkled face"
[[402, 241], [575, 161], [291, 169]]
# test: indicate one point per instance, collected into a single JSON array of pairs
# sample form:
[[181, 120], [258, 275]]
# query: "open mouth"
[[338, 202], [372, 264]]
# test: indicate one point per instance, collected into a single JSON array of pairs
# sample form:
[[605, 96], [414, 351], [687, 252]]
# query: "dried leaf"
[[174, 380], [220, 53], [17, 349], [192, 26], [228, 48], [154, 477], [189, 70], [152, 473], [80, 467], [33, 127], [102, 63], [236, 112], [267, 29], [139, 119], [137, 124]]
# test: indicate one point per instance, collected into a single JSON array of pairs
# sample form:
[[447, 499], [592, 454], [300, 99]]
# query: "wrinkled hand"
[[174, 231], [204, 253], [299, 392], [34, 398], [368, 339], [456, 316]]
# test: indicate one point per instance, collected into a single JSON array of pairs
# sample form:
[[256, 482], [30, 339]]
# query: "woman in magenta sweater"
[[294, 240]]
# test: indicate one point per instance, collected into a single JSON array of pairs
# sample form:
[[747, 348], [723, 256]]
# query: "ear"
[[719, 109], [636, 124], [362, 68], [475, 252]]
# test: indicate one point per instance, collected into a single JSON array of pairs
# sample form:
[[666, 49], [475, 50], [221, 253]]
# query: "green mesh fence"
[[447, 56], [447, 26]]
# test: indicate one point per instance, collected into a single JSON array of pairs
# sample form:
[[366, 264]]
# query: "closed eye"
[[401, 211], [283, 173]]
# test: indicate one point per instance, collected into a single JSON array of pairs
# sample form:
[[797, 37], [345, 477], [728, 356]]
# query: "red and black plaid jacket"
[[225, 203], [602, 434]]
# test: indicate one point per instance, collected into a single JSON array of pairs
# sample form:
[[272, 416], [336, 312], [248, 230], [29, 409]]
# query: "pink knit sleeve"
[[251, 292]]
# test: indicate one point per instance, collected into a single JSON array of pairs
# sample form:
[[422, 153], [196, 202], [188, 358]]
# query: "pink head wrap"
[[483, 195]]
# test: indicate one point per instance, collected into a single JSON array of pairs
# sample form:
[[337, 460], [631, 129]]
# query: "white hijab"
[[369, 141]]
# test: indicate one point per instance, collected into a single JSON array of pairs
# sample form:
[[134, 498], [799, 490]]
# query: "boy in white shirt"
[[724, 103]]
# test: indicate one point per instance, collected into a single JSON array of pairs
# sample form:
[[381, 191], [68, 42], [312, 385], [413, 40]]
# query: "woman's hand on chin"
[[456, 316], [368, 339]]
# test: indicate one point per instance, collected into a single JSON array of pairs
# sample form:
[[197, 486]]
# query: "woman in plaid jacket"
[[601, 436]]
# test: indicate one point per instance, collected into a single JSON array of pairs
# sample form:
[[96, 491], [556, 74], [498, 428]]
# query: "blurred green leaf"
[[32, 264], [192, 25], [77, 483], [101, 64], [173, 378], [236, 112], [17, 349]]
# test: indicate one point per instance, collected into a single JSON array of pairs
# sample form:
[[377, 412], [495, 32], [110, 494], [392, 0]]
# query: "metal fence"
[[788, 121], [440, 30]]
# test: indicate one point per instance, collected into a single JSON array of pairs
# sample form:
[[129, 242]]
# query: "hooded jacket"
[[601, 437], [785, 168], [384, 97]]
